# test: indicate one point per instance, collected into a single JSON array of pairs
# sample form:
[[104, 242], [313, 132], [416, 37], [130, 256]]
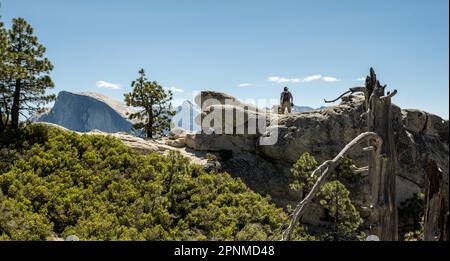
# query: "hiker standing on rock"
[[286, 101]]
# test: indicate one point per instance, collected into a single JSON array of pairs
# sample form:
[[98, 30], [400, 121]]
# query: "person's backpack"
[[286, 96]]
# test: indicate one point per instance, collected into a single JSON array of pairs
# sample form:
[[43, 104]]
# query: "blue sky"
[[249, 49]]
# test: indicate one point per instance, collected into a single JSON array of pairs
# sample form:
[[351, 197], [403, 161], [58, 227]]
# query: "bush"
[[58, 183]]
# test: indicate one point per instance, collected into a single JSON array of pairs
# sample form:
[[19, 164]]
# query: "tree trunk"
[[382, 169], [436, 205], [150, 125], [15, 109], [2, 123]]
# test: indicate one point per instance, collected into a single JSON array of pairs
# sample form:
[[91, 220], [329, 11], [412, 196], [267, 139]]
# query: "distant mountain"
[[88, 111], [185, 116]]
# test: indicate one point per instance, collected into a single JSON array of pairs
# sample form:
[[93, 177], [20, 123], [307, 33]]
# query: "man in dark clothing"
[[286, 101]]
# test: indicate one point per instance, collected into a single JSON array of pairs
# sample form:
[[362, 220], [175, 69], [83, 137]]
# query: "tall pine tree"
[[28, 77], [4, 92], [154, 104]]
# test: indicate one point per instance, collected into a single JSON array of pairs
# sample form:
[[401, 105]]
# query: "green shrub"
[[59, 183]]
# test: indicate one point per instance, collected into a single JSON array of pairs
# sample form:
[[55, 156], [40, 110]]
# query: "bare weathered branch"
[[351, 91], [323, 171], [342, 95], [361, 171], [390, 95], [369, 148]]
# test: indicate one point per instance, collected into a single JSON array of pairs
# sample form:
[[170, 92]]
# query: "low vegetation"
[[55, 183]]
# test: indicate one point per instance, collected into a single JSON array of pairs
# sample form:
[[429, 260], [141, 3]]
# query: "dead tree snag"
[[436, 205], [382, 170], [382, 162]]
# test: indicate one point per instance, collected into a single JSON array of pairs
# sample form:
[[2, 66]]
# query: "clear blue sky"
[[219, 45]]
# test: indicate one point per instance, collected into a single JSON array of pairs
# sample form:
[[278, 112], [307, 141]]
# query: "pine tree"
[[154, 104], [28, 77], [4, 92], [334, 197]]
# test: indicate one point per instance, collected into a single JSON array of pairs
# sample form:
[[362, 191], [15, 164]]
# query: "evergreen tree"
[[28, 78], [4, 92], [301, 174], [333, 196], [154, 104]]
